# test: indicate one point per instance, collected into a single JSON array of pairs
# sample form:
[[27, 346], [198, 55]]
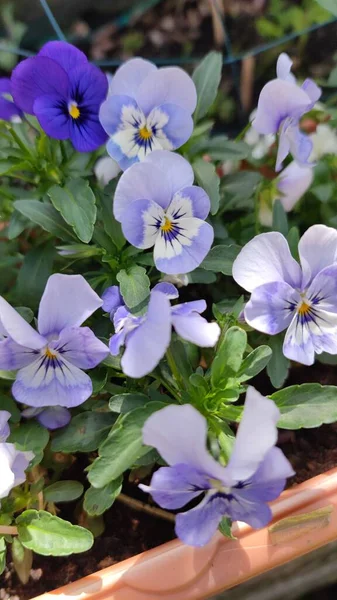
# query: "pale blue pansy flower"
[[50, 361], [256, 472], [158, 205], [284, 295], [13, 462]]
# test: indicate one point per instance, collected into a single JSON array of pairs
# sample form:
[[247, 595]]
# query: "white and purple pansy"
[[147, 109], [50, 361], [158, 205], [281, 105], [13, 462], [146, 338], [256, 472], [284, 295]]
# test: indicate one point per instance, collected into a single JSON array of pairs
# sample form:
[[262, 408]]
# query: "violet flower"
[[112, 300], [256, 472], [13, 462], [285, 295], [64, 91], [147, 109], [146, 338], [8, 109], [50, 417], [50, 362], [158, 205], [281, 105]]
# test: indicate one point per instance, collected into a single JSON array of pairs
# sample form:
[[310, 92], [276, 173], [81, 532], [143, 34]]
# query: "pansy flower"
[[158, 205], [8, 109], [147, 109], [64, 91], [50, 361], [146, 338], [256, 472], [284, 295], [281, 105], [13, 462], [50, 417]]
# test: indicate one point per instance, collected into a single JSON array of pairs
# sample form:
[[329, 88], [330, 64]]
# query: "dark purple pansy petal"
[[8, 109], [36, 77], [89, 87], [87, 135], [51, 112], [66, 55]]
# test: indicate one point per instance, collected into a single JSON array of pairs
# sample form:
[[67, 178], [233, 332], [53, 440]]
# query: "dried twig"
[[143, 507]]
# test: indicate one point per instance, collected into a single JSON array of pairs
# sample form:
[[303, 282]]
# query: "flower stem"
[[143, 507], [19, 142], [174, 368], [242, 133], [8, 530]]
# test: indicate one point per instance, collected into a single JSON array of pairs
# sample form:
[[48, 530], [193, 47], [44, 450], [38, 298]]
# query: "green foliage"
[[308, 405], [63, 491], [97, 501], [208, 179], [75, 201], [207, 78], [84, 433], [134, 286], [220, 259]]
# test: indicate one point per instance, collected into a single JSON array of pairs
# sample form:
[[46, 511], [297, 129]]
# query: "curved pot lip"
[[304, 518]]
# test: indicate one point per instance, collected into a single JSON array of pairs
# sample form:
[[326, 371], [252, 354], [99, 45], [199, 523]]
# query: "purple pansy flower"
[[158, 205], [112, 300], [256, 472], [147, 109], [13, 462], [281, 105], [51, 417], [50, 362], [146, 338], [284, 295], [8, 109], [64, 91]]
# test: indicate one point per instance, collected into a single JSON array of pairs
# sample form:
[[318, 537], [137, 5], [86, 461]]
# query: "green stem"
[[174, 368], [19, 142], [243, 132], [169, 387]]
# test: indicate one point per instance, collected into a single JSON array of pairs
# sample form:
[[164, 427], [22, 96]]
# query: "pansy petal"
[[283, 146], [278, 100], [106, 169], [293, 182], [118, 112], [18, 329], [13, 356], [298, 344], [270, 478], [300, 145], [116, 342], [90, 84], [7, 481], [80, 347], [256, 435], [146, 345], [185, 250], [176, 168], [173, 487], [179, 434], [322, 291], [54, 417], [141, 221], [196, 329], [65, 54], [68, 300], [317, 249], [271, 307], [112, 299], [283, 68], [186, 308], [167, 85], [197, 526], [37, 76], [168, 289], [179, 123], [4, 427], [255, 514], [115, 152], [265, 259], [51, 383], [130, 75], [191, 201], [314, 92], [8, 109], [55, 122], [141, 181], [87, 135]]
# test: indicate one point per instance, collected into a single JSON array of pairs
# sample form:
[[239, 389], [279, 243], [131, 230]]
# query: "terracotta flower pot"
[[305, 518]]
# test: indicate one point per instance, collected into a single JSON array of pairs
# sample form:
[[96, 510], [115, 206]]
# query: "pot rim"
[[174, 571]]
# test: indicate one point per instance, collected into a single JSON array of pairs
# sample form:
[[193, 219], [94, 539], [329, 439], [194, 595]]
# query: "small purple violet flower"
[[281, 105], [50, 362], [147, 109], [64, 91], [8, 109], [285, 295], [146, 338], [256, 472], [158, 205], [112, 300], [50, 417], [13, 462]]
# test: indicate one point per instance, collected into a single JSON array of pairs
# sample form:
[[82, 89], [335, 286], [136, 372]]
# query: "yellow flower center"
[[167, 225], [304, 308], [145, 133], [74, 111], [50, 354]]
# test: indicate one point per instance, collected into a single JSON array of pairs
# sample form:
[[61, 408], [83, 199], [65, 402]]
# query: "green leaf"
[[134, 285], [63, 491], [17, 224], [30, 436], [123, 446], [111, 226], [219, 147], [7, 403], [207, 77], [51, 536], [97, 501], [229, 355], [22, 559], [280, 219], [238, 190], [225, 527], [36, 268], [45, 216], [84, 433], [208, 179], [330, 5], [255, 362], [278, 366], [308, 405], [2, 555], [76, 203], [220, 259], [123, 403], [293, 238]]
